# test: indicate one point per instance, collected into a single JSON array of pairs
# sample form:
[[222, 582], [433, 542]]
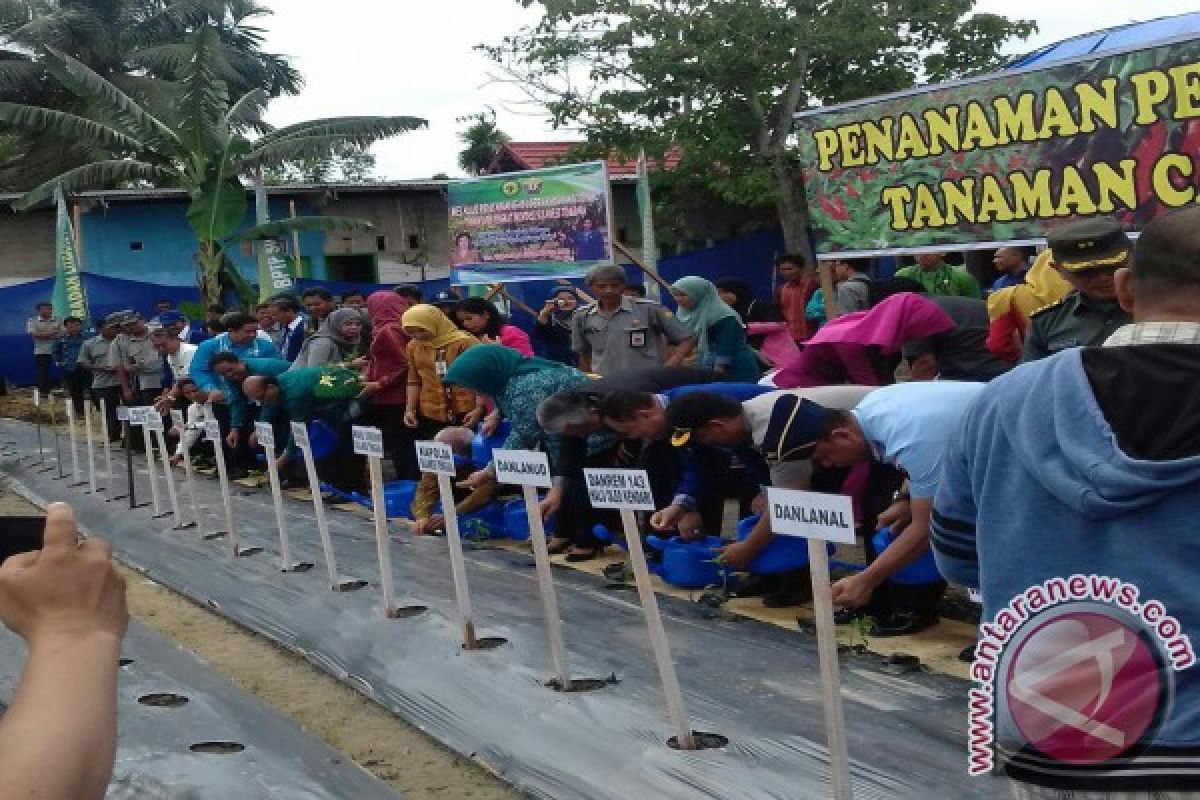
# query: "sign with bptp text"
[[212, 431], [435, 457], [123, 413], [522, 468], [300, 434], [367, 441], [266, 435], [811, 515], [177, 419], [154, 420], [619, 488]]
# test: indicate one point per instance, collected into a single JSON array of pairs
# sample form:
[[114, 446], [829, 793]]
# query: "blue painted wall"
[[168, 245]]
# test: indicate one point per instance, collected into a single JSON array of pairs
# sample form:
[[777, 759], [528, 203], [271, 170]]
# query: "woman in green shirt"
[[719, 330]]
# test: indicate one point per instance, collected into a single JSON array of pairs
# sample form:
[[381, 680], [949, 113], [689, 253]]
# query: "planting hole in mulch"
[[163, 700], [351, 585], [303, 566], [703, 741], [217, 748], [487, 643], [208, 537], [581, 684], [248, 551], [124, 662], [404, 612]]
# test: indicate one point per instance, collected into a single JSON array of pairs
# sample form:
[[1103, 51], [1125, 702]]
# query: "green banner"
[[276, 270], [1003, 158], [69, 297], [545, 223]]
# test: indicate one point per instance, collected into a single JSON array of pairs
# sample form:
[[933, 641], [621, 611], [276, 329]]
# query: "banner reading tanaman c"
[[1003, 158], [69, 297]]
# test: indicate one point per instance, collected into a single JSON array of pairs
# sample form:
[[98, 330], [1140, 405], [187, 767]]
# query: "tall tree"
[[199, 142], [346, 162], [722, 79], [481, 139], [137, 45]]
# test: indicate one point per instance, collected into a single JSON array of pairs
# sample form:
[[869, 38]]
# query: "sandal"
[[557, 546]]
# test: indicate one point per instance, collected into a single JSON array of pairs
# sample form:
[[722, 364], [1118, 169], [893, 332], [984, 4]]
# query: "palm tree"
[[137, 45], [482, 139], [199, 142]]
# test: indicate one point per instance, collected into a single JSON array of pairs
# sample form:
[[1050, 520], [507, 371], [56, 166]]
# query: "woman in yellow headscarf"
[[1009, 308], [435, 342]]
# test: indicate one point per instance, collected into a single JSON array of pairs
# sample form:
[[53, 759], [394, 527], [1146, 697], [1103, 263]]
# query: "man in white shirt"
[[177, 363]]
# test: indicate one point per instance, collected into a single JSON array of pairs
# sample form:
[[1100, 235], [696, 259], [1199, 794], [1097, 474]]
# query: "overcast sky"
[[416, 57]]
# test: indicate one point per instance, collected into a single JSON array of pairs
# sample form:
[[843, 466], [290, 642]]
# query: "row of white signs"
[[793, 513]]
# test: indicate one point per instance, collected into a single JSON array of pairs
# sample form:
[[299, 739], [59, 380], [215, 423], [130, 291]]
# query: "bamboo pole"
[[654, 276]]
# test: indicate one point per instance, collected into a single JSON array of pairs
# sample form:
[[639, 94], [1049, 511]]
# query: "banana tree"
[[200, 143]]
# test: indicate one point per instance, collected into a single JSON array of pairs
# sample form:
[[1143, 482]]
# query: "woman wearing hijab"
[[386, 380], [335, 342], [518, 385], [864, 347], [721, 336], [1009, 308], [480, 318], [766, 331], [436, 343], [552, 329]]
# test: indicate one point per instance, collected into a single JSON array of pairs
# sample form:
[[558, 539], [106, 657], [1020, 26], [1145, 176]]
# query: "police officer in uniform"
[[1087, 253]]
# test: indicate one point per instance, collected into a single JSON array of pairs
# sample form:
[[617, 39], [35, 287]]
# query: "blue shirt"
[[201, 370], [909, 425], [66, 351], [1008, 279]]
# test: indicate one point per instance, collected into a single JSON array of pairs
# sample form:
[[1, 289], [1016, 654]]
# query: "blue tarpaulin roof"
[[1122, 37]]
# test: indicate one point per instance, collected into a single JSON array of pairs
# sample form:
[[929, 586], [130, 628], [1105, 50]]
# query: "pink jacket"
[[517, 339], [778, 346]]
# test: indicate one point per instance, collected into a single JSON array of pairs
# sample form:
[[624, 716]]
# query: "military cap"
[[117, 317], [1098, 243]]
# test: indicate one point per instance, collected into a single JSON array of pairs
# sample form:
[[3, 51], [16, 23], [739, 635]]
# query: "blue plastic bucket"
[[486, 523], [922, 571], [398, 498], [689, 565], [482, 446], [321, 439], [783, 554]]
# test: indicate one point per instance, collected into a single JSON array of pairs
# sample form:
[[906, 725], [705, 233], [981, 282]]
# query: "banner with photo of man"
[[534, 225]]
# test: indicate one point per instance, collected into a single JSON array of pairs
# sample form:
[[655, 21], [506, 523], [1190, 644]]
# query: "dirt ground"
[[393, 751]]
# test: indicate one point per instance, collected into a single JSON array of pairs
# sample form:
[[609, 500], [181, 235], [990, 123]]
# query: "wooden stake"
[[654, 276], [188, 472], [457, 565], [70, 412], [171, 493], [108, 485], [658, 635], [541, 560], [382, 544], [158, 512], [831, 686], [268, 447], [91, 452], [314, 489], [223, 478]]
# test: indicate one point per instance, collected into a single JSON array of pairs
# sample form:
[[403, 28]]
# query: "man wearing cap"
[[1086, 253], [94, 357], [139, 366]]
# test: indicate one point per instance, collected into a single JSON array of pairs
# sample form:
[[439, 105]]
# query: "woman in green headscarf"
[[518, 384], [721, 336]]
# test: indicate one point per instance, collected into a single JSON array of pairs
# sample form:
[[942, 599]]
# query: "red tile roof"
[[535, 155]]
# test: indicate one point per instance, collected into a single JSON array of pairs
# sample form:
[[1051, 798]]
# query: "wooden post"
[[538, 476], [266, 440], [654, 276], [189, 474], [300, 437], [212, 431], [37, 421], [91, 451], [295, 240], [154, 495], [107, 445], [382, 543], [70, 412], [458, 567], [172, 495]]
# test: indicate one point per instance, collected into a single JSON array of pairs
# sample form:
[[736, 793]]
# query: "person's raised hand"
[[233, 438], [897, 516], [691, 525], [475, 480], [489, 425], [853, 591], [759, 504], [667, 518], [737, 554], [67, 589], [410, 418], [551, 502]]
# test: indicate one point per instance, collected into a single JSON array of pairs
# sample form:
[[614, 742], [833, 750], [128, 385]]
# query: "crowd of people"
[[910, 400]]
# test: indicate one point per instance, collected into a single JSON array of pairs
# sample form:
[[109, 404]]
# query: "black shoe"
[[585, 554], [967, 655], [788, 596], [617, 571], [903, 623], [755, 585]]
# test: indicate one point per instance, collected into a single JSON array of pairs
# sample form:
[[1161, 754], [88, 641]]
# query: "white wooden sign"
[[811, 515], [522, 468], [177, 420], [367, 441], [435, 457], [212, 430], [123, 413], [154, 421], [137, 415], [619, 488], [266, 435], [300, 435], [37, 397]]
